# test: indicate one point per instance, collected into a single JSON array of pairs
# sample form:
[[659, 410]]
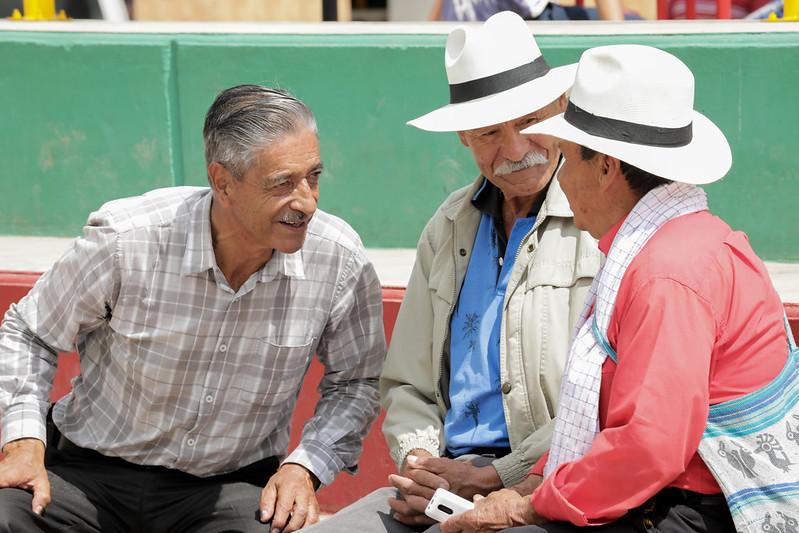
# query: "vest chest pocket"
[[562, 273], [441, 282]]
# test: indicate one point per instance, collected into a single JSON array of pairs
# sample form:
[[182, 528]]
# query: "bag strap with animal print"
[[751, 445]]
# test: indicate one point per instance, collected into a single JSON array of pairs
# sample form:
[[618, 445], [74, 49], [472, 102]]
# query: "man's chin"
[[290, 246]]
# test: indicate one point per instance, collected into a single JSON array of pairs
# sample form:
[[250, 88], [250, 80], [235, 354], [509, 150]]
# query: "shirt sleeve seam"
[[717, 319]]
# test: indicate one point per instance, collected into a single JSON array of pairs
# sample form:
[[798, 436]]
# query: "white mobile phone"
[[444, 505]]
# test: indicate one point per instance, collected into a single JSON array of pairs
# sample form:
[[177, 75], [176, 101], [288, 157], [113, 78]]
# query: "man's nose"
[[515, 145], [304, 199]]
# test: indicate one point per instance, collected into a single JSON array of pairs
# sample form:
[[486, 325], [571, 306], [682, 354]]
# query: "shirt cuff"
[[318, 459], [22, 421], [411, 442], [512, 468], [549, 503]]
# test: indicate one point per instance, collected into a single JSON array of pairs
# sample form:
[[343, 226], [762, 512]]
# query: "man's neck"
[[518, 207], [236, 256], [618, 209]]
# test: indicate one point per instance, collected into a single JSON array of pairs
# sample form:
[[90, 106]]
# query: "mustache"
[[531, 159], [294, 217]]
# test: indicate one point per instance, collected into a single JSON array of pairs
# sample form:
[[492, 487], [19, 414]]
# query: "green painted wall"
[[90, 117]]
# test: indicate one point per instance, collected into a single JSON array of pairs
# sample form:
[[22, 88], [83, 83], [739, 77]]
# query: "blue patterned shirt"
[[476, 417]]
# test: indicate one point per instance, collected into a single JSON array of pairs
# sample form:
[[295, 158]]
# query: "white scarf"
[[577, 421]]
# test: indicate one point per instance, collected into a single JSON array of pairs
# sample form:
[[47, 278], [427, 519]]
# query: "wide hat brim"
[[707, 158], [500, 107]]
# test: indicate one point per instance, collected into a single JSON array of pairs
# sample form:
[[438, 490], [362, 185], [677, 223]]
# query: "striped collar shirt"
[[180, 370]]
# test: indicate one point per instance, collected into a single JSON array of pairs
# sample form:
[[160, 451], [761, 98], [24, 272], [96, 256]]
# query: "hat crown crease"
[[628, 85], [503, 43]]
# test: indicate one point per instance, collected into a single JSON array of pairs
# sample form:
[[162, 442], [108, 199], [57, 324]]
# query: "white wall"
[[409, 10]]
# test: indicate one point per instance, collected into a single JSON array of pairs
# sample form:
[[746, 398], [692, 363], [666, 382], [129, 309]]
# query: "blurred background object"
[[223, 10], [474, 10], [244, 10], [417, 10], [708, 9], [110, 10], [392, 10]]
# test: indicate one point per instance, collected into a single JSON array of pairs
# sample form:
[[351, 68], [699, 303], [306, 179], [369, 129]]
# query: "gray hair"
[[245, 119]]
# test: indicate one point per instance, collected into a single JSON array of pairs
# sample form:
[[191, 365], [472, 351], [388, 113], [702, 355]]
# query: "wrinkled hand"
[[528, 486], [289, 499], [500, 510], [23, 467], [416, 487], [464, 479]]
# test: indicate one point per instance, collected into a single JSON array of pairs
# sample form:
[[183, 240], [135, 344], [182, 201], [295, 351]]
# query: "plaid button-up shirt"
[[178, 369]]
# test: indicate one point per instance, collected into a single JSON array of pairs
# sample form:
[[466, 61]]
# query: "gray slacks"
[[670, 511], [92, 493], [372, 513]]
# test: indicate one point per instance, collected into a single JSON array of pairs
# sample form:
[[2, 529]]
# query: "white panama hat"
[[636, 103], [496, 73]]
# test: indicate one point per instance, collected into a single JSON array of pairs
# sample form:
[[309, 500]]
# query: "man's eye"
[[313, 179], [280, 186], [489, 133]]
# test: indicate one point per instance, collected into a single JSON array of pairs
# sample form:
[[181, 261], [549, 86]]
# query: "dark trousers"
[[670, 511], [94, 493]]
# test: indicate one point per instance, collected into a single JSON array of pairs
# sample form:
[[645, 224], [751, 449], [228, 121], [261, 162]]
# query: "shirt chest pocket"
[[272, 368], [561, 274]]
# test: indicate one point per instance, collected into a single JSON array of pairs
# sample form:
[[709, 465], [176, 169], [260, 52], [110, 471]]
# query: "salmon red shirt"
[[696, 322]]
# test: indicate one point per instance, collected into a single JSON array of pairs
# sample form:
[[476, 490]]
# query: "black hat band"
[[630, 132], [496, 83]]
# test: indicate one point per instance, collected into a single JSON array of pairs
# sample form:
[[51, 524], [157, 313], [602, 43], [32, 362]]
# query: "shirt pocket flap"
[[441, 280], [563, 273]]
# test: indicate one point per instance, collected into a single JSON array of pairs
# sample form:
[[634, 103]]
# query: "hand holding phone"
[[444, 505]]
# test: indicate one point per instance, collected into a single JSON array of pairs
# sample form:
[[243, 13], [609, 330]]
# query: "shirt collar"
[[199, 254], [607, 239], [289, 265]]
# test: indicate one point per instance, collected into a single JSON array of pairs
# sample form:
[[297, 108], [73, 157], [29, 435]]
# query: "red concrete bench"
[[376, 464]]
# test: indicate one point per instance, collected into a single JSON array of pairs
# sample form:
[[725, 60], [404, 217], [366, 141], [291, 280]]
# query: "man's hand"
[[464, 479], [23, 467], [528, 486], [289, 499], [500, 510], [416, 487]]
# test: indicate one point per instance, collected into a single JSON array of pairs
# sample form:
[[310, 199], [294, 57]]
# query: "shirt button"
[[209, 398], [190, 442], [223, 348], [462, 251], [506, 388], [530, 248]]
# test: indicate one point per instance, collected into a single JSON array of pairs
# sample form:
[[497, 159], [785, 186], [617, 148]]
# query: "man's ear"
[[462, 137], [609, 171], [219, 177]]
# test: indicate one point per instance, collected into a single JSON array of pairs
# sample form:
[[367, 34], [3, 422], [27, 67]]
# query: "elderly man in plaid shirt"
[[195, 312]]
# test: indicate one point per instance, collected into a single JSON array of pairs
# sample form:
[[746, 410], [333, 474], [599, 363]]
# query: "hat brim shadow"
[[707, 158], [499, 107]]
